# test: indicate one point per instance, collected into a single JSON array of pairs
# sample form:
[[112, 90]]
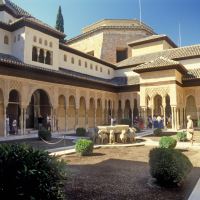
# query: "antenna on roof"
[[179, 33], [140, 7]]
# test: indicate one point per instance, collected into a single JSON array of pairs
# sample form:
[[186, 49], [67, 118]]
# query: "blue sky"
[[162, 15]]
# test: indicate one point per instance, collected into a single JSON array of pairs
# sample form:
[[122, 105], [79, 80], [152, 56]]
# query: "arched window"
[[48, 58], [45, 43], [72, 60], [41, 56], [50, 44], [34, 54], [85, 64], [91, 66], [40, 40], [96, 68], [6, 39], [79, 62], [65, 58], [34, 39], [101, 70], [108, 72]]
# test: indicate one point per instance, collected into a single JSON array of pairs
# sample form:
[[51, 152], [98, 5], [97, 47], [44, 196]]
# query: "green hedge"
[[125, 121], [80, 131], [170, 167], [44, 134], [167, 142], [157, 131], [182, 136], [84, 147], [26, 173]]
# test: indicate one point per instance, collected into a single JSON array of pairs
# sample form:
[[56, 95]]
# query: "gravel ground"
[[122, 174]]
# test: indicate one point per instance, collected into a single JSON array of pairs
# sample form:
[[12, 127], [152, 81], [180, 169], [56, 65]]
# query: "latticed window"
[[6, 39], [41, 56], [48, 58], [34, 54]]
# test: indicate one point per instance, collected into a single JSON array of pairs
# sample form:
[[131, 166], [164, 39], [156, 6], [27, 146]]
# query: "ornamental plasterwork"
[[17, 85], [151, 92]]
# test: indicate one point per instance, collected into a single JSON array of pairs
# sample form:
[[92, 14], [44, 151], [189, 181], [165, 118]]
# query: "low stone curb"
[[195, 195]]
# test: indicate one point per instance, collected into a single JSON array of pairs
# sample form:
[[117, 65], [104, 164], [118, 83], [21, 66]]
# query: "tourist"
[[7, 125], [14, 126], [159, 121], [40, 121], [190, 129], [48, 122], [149, 122], [155, 122]]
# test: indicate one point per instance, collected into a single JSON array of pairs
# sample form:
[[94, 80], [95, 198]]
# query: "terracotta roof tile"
[[174, 54]]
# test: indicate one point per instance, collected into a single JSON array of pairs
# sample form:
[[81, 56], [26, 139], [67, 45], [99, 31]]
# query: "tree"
[[60, 21]]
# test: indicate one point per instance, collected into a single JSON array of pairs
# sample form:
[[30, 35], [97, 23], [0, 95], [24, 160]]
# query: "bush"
[[157, 131], [167, 142], [84, 147], [169, 166], [125, 122], [26, 173], [44, 134], [182, 136], [80, 132]]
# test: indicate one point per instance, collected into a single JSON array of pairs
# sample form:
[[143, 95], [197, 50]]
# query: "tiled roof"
[[192, 74], [15, 9], [174, 54], [23, 16], [117, 81], [152, 38], [159, 63]]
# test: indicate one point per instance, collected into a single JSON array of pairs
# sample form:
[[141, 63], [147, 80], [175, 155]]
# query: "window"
[[121, 54], [34, 54], [72, 60], [85, 64], [108, 72], [91, 66], [79, 62], [51, 44], [40, 40], [41, 56], [34, 39], [18, 37], [45, 43], [65, 58], [6, 40], [91, 53], [96, 68], [48, 58], [101, 70]]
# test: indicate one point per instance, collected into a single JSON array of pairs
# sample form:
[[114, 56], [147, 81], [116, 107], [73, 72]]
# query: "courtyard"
[[122, 173]]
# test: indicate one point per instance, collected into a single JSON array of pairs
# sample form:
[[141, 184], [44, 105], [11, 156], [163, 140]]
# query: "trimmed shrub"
[[167, 142], [26, 173], [182, 136], [125, 122], [44, 134], [169, 166], [84, 147], [80, 132], [157, 131]]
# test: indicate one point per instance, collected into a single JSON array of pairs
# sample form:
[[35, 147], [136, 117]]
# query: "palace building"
[[119, 68]]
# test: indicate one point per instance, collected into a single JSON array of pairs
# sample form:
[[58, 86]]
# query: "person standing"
[[14, 125], [190, 129], [7, 125], [48, 123]]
